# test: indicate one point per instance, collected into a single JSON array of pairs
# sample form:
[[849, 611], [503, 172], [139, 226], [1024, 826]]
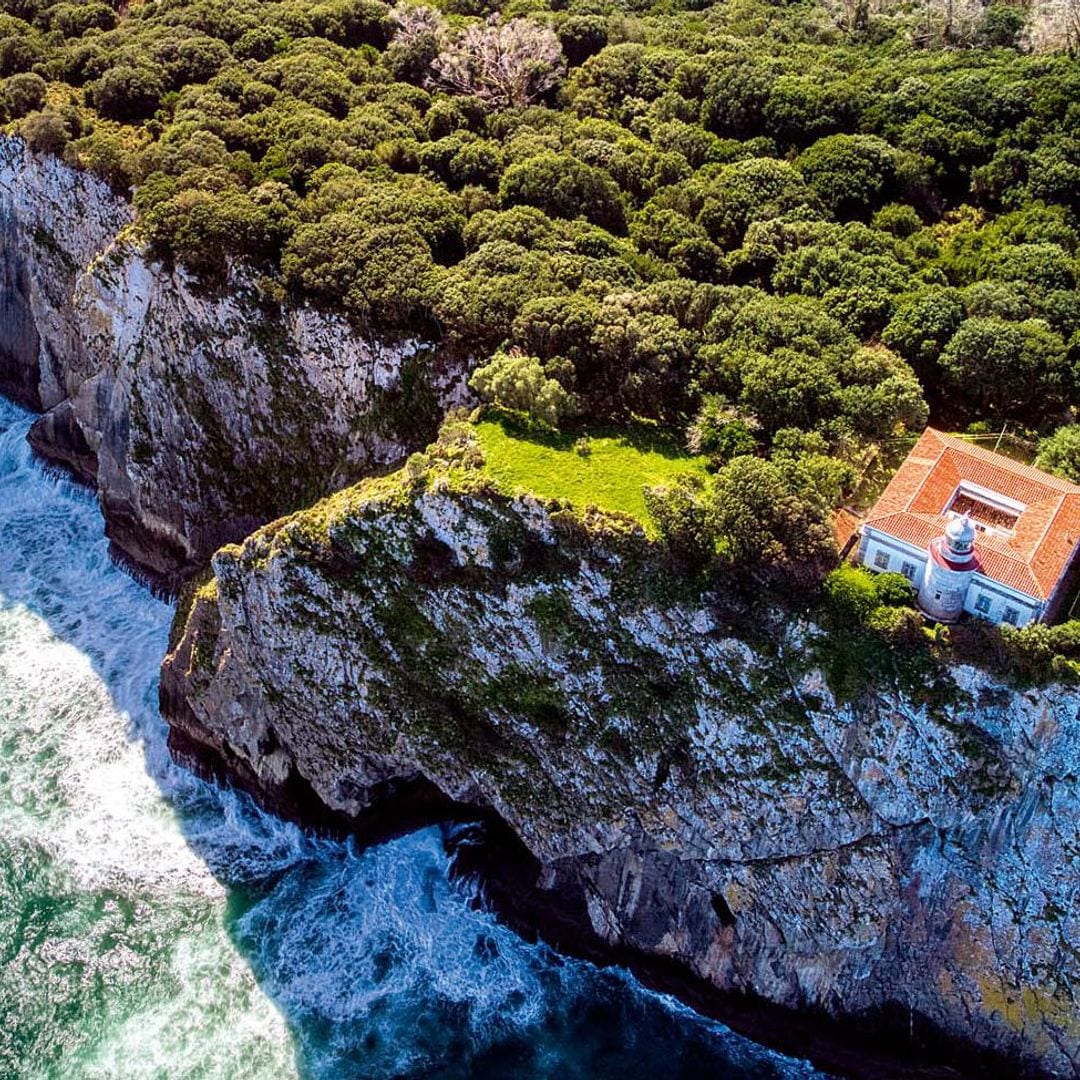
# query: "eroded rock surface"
[[687, 796], [197, 415]]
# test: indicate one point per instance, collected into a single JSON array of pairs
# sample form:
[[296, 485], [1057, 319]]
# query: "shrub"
[[22, 94], [1060, 453], [20, 53], [721, 430], [852, 593], [564, 187], [1038, 653], [46, 132], [128, 92], [899, 219], [678, 511], [582, 36], [517, 382], [73, 20], [258, 43], [893, 590]]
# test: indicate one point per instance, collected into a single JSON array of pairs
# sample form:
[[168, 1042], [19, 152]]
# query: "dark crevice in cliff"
[[723, 910], [892, 1042]]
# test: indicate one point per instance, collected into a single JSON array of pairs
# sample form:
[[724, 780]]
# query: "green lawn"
[[611, 476]]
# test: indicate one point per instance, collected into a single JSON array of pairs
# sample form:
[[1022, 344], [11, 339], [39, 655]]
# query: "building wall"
[[998, 600], [943, 590], [882, 553]]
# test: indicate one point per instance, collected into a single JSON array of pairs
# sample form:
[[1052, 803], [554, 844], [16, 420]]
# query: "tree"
[[558, 326], [483, 294], [851, 593], [725, 200], [851, 174], [922, 325], [1009, 369], [1000, 26], [759, 520], [1060, 453], [516, 381], [1041, 268], [1054, 25], [506, 66], [788, 388], [564, 187], [582, 36], [381, 275], [73, 20], [880, 395]]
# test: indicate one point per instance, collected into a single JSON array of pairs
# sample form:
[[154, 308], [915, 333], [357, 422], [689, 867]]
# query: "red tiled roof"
[[1033, 559], [845, 525]]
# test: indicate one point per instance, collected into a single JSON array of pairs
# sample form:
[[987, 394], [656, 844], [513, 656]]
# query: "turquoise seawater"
[[152, 925]]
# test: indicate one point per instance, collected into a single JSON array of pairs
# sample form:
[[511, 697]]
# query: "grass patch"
[[611, 475]]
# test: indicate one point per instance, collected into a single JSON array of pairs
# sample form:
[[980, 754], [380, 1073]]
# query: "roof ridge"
[[1002, 461]]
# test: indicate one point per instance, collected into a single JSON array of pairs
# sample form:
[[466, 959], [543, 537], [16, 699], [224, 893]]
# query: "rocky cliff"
[[196, 414], [686, 795]]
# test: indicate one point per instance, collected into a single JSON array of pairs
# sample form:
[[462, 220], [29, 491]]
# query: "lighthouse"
[[949, 568]]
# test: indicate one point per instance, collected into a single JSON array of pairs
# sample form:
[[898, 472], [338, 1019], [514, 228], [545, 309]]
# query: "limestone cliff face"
[[686, 795], [53, 222], [197, 415]]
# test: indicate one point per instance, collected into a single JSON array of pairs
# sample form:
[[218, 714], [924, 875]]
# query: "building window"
[[1011, 616], [982, 603], [881, 560], [909, 570]]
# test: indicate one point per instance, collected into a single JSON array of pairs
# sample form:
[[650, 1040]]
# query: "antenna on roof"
[[1004, 428]]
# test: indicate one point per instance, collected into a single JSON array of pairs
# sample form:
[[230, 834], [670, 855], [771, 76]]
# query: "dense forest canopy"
[[787, 229]]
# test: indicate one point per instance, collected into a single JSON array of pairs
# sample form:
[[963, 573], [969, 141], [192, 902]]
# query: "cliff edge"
[[685, 789], [197, 414]]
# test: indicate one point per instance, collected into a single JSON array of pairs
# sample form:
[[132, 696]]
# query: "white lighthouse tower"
[[949, 567]]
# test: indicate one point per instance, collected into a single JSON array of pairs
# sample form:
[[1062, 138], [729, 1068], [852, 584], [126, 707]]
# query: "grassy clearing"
[[611, 476]]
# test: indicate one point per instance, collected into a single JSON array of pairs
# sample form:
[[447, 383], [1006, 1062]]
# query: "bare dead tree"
[[1054, 26], [414, 21], [505, 65], [951, 23]]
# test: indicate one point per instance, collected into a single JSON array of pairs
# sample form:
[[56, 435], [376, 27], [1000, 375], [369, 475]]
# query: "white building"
[[975, 532]]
